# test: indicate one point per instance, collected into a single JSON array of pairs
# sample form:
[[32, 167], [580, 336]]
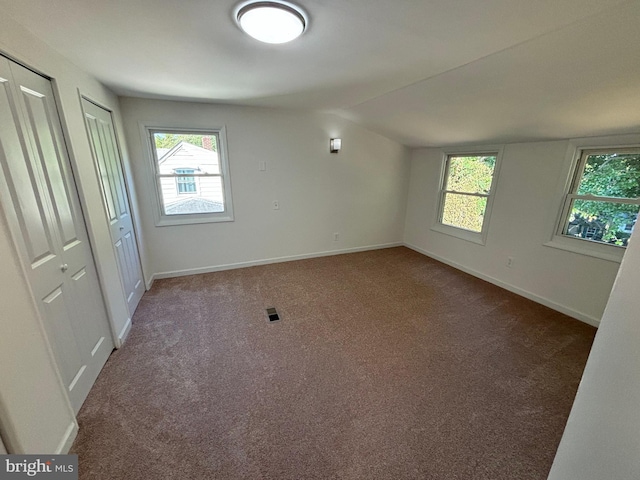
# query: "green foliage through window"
[[470, 174], [612, 175], [606, 201], [467, 187], [464, 211]]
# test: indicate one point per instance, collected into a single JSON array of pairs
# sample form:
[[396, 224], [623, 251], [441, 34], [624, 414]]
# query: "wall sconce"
[[335, 144]]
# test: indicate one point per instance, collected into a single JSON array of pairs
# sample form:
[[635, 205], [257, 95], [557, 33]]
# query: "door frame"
[[117, 337]]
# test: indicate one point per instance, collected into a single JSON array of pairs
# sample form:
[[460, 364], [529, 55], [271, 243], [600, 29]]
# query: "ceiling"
[[423, 72]]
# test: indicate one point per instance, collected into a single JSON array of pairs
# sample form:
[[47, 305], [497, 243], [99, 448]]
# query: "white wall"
[[602, 436], [526, 204], [34, 411], [359, 193]]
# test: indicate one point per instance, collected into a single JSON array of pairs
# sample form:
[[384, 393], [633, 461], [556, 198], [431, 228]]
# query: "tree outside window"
[[466, 190], [604, 200]]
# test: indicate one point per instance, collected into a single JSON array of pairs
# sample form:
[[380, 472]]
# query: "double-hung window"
[[466, 194], [602, 204], [191, 172]]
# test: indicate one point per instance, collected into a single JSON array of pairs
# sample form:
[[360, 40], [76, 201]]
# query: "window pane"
[[464, 211], [471, 174], [208, 198], [611, 175], [186, 156], [186, 153], [166, 141], [605, 222]]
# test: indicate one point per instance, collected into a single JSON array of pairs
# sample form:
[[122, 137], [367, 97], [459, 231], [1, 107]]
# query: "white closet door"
[[116, 199], [41, 203]]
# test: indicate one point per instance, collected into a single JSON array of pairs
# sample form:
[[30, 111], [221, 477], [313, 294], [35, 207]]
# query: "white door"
[[41, 204], [116, 199]]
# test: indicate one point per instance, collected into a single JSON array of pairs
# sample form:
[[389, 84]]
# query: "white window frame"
[[161, 219], [573, 162], [475, 237]]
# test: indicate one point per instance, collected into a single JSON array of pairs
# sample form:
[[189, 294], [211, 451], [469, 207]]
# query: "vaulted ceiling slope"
[[432, 72]]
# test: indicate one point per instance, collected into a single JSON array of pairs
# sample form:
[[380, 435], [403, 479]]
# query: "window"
[[466, 193], [185, 184], [602, 204], [191, 176]]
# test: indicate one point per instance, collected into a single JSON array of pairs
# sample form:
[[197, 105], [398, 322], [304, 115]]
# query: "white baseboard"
[[232, 266], [67, 440], [583, 317], [122, 336]]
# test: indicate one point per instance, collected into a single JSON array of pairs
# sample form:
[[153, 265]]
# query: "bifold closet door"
[[116, 199], [40, 200]]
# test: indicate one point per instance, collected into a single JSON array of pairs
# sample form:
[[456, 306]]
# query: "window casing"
[[601, 206], [466, 193], [191, 175]]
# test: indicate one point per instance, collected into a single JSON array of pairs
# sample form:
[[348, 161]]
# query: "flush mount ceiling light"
[[272, 22]]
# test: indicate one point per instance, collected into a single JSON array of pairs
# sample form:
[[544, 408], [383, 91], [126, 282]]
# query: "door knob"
[[64, 267], [121, 228]]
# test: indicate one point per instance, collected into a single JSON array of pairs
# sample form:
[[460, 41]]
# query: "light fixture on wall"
[[335, 144], [272, 22]]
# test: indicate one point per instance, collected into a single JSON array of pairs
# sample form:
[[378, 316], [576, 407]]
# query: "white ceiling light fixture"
[[272, 22]]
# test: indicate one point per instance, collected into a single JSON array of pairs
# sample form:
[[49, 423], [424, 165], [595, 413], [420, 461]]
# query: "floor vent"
[[272, 314]]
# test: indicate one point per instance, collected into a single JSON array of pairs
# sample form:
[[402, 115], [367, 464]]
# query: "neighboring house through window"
[[192, 176], [466, 194]]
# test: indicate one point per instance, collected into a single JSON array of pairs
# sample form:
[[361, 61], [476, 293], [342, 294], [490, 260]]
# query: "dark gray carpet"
[[385, 365]]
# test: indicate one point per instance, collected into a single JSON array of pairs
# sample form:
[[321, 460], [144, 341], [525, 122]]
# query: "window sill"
[[609, 253], [192, 219], [467, 235]]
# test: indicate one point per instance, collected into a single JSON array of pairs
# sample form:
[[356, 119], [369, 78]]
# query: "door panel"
[[41, 203], [107, 193], [130, 251], [26, 193], [112, 163], [124, 251], [116, 200], [48, 156], [61, 333], [81, 285], [30, 211], [116, 165]]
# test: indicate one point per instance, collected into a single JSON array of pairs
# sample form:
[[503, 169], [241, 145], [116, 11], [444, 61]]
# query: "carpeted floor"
[[385, 365]]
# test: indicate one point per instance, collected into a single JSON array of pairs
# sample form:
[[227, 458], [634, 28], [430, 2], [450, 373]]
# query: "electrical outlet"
[[336, 237], [276, 205], [263, 166], [509, 262]]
